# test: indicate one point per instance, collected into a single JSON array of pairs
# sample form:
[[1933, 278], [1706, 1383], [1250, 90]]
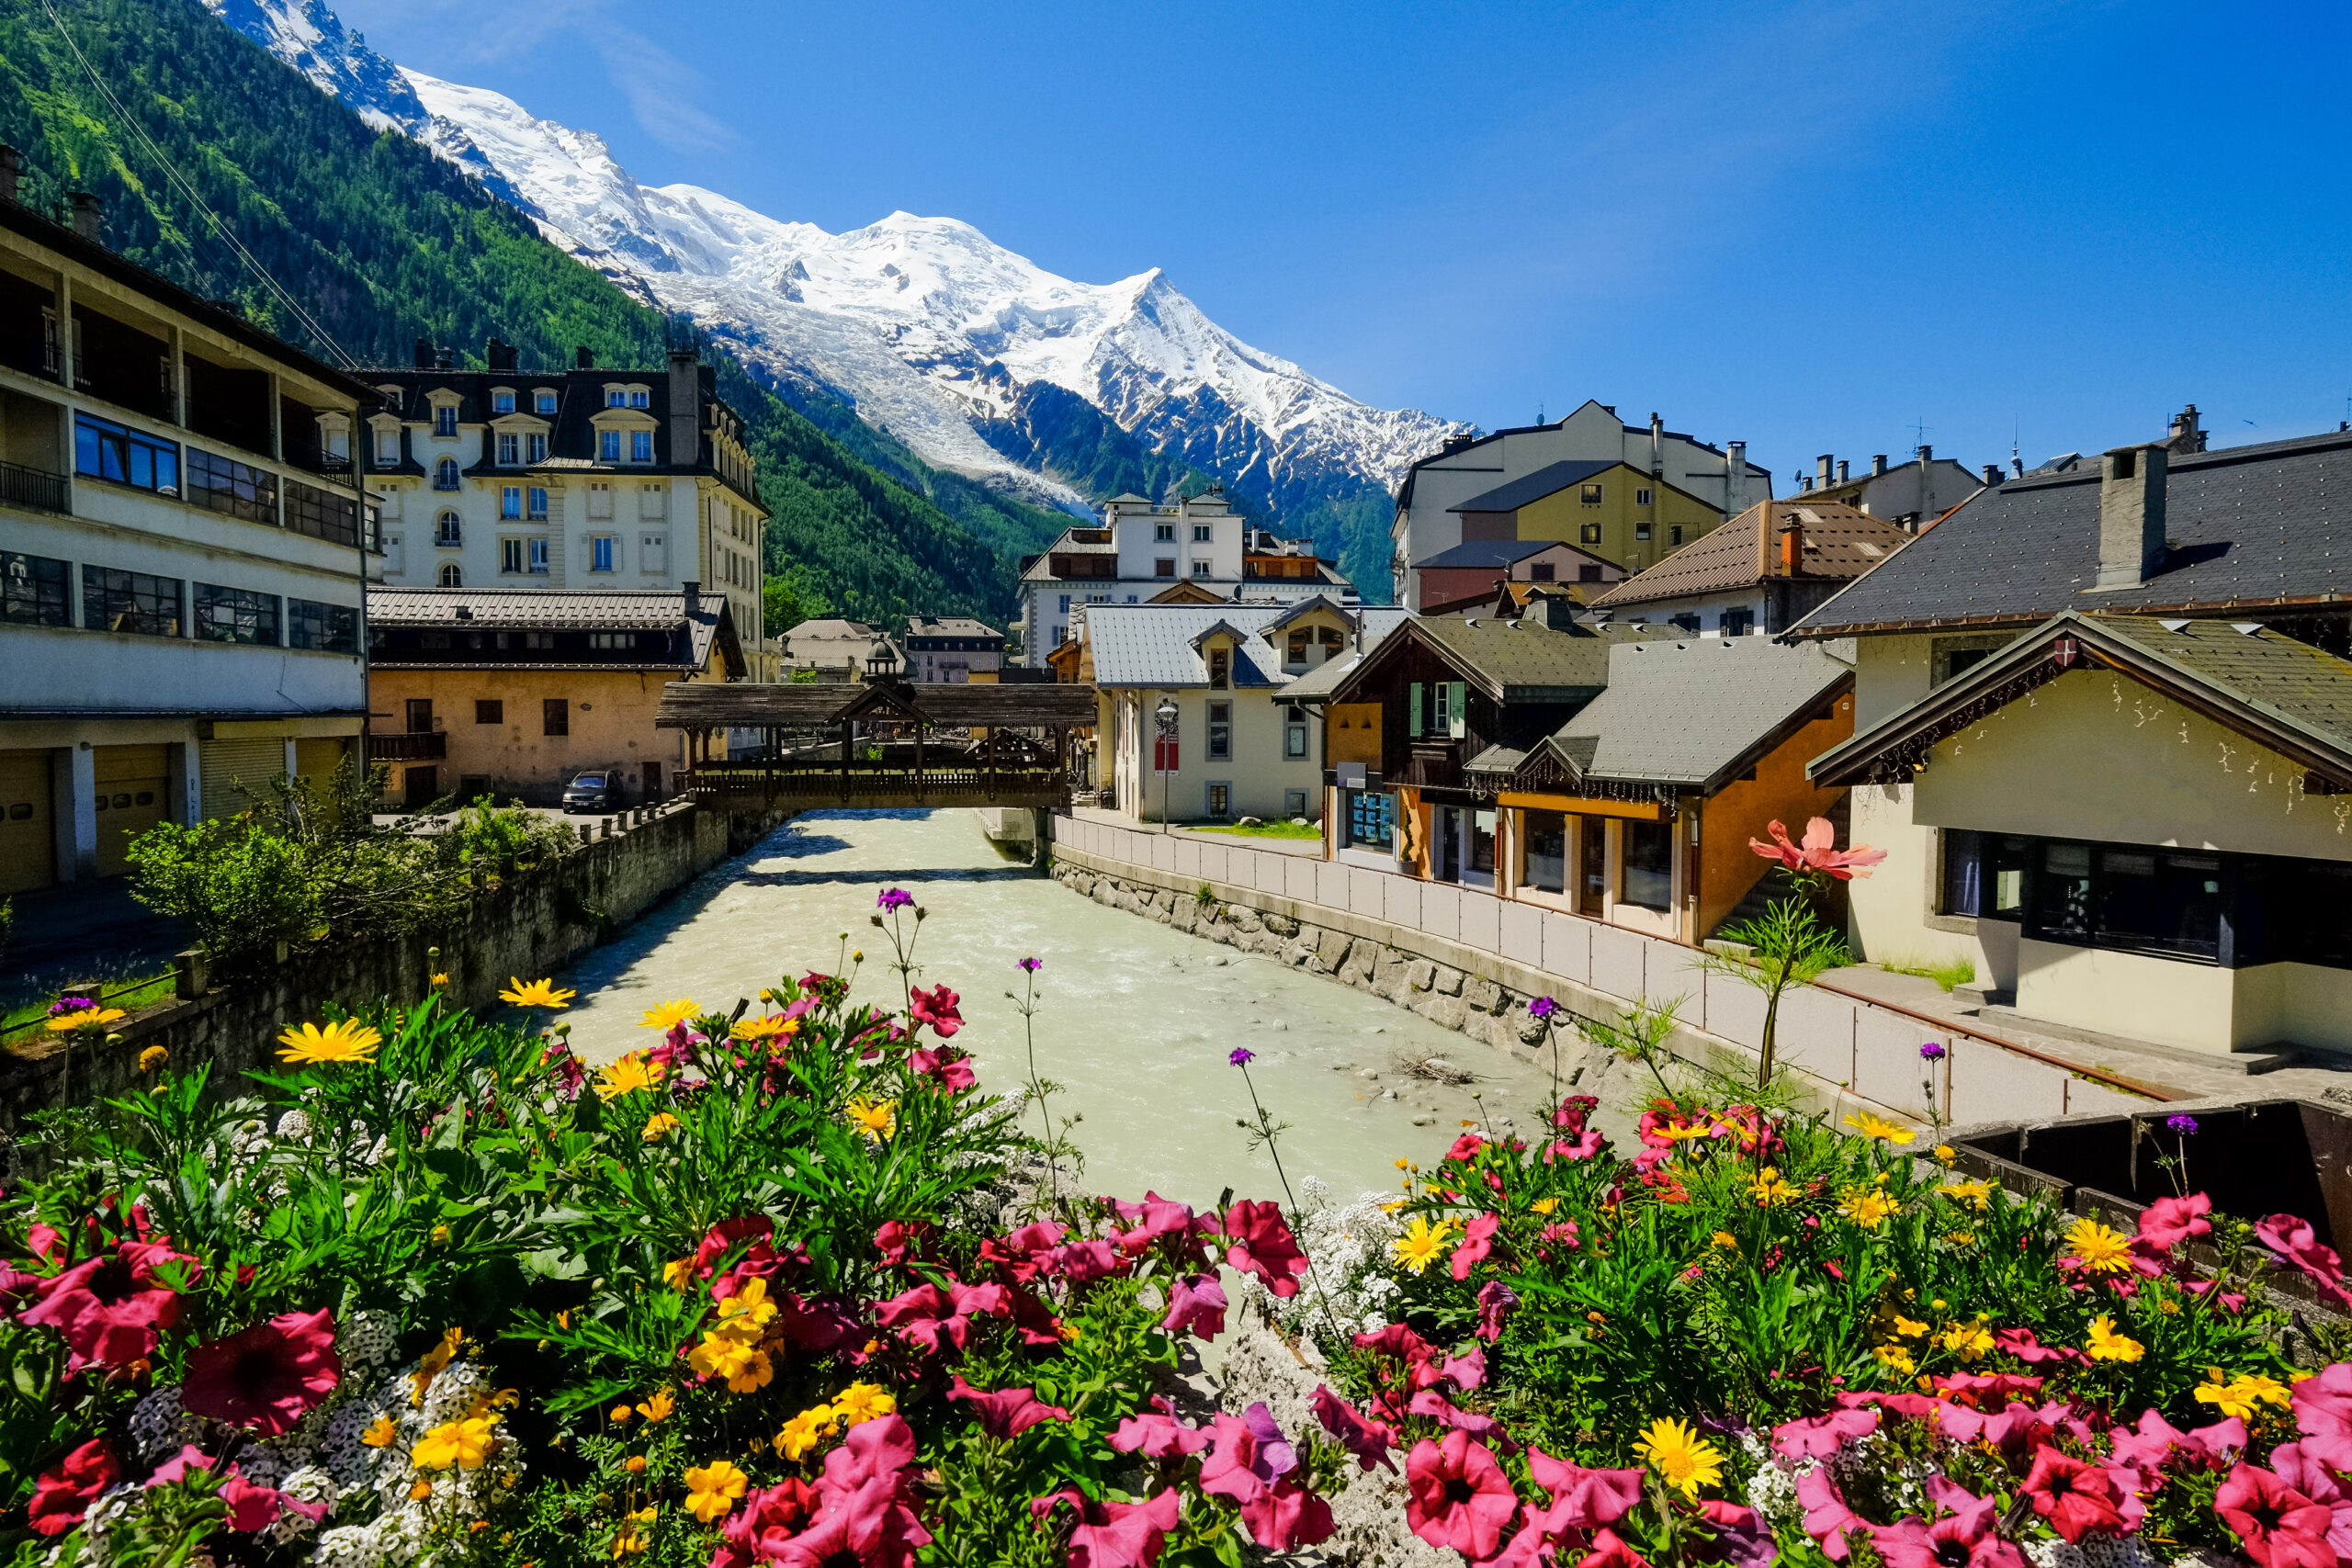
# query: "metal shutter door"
[[237, 773], [28, 843]]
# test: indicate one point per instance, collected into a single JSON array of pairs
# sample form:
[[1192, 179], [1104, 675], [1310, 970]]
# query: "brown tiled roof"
[[1840, 543], [535, 609]]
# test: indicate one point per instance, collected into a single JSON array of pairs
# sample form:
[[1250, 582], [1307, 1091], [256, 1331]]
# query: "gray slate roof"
[[1493, 552], [2250, 525], [1546, 480], [1695, 712], [1152, 644], [1523, 661]]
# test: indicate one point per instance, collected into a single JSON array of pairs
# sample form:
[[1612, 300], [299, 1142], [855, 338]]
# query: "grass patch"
[[1945, 971], [130, 995], [1262, 830]]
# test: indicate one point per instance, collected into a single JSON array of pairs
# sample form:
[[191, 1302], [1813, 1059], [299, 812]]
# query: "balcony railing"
[[37, 490], [423, 745]]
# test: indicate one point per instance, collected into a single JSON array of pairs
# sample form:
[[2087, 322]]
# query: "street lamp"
[[1166, 714]]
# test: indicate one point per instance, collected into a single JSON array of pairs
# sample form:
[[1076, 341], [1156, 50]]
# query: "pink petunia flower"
[[1368, 1439], [1584, 1499], [1261, 1244], [1496, 1302], [267, 1376], [1114, 1535], [1477, 1241], [1253, 1464], [2075, 1497], [1458, 1497], [2279, 1526], [1157, 1434], [1006, 1413], [937, 1008], [63, 1493], [1196, 1306], [2299, 1246], [109, 1313], [1826, 1518]]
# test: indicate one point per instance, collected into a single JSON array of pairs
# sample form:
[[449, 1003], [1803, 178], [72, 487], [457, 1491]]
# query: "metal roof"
[[1547, 480], [1495, 552], [534, 609], [1154, 645], [2248, 526], [1695, 712], [1840, 542], [1525, 661]]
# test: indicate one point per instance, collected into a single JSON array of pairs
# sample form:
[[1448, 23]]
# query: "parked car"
[[592, 789]]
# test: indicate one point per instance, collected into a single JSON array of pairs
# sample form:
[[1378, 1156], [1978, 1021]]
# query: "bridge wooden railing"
[[746, 781]]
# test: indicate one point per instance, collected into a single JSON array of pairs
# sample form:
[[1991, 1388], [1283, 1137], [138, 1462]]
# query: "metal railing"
[[37, 490], [417, 746], [163, 985]]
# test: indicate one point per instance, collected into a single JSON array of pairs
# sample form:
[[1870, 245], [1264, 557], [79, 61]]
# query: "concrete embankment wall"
[[527, 926], [1471, 962]]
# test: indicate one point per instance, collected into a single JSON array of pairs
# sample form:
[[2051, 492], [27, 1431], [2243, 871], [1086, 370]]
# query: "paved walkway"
[[2189, 1075], [1311, 848]]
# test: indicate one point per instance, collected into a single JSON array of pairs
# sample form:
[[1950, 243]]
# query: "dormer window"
[[639, 398], [616, 398], [502, 401], [608, 447], [445, 421], [536, 446], [1220, 669], [640, 445], [544, 400], [510, 448]]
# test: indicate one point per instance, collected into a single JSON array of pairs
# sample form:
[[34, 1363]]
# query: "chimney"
[[693, 588], [1878, 465], [1992, 475], [12, 169], [685, 407], [1658, 444], [1735, 476], [497, 355], [445, 359], [89, 216], [2131, 516], [1927, 454], [584, 358], [2186, 434], [1556, 611], [424, 354], [1841, 471], [1792, 546], [1821, 469]]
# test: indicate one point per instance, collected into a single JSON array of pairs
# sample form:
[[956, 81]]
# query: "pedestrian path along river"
[[1138, 1019]]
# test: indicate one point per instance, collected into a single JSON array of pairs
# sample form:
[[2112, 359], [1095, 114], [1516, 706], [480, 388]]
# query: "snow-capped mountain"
[[933, 332]]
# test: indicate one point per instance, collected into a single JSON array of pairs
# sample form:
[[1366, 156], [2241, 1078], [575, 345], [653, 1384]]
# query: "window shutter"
[[1413, 710], [1457, 713]]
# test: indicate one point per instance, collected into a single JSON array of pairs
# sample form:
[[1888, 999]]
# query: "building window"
[[235, 614], [639, 398], [1200, 569], [333, 628], [129, 602], [451, 576], [490, 710], [1293, 734], [105, 450], [555, 715], [1541, 572], [233, 489], [1482, 843], [447, 530], [1220, 669], [536, 446], [444, 474], [1065, 598], [1369, 818], [445, 421], [1674, 534], [1294, 650], [510, 502], [539, 554], [615, 398], [612, 642], [1589, 534], [1644, 495], [1686, 620], [1220, 802], [652, 554], [544, 400], [387, 447], [1589, 574], [1547, 851], [35, 591], [1590, 495], [600, 499], [510, 448], [502, 401], [1649, 865], [1641, 530], [1200, 533], [321, 513], [536, 497], [510, 556], [608, 447], [1220, 732], [1165, 533], [1737, 621], [1985, 875], [1294, 804], [1163, 567], [2144, 900], [640, 445], [600, 553]]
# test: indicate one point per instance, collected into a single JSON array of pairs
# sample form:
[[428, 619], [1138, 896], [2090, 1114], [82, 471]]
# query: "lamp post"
[[1166, 715]]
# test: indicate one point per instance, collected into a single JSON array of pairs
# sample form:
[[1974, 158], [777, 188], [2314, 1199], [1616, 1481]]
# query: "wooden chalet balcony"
[[423, 746], [1434, 764]]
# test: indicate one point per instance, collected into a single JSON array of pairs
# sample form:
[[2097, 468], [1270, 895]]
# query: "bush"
[[241, 891]]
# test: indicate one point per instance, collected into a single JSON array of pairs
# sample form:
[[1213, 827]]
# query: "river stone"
[[1420, 974], [1282, 925], [1446, 1012], [1247, 919], [1423, 1121], [1447, 981], [1483, 994]]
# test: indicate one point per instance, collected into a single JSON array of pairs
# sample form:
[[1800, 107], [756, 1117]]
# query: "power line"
[[172, 173]]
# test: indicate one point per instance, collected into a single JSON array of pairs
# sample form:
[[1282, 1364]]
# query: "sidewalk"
[[1311, 848]]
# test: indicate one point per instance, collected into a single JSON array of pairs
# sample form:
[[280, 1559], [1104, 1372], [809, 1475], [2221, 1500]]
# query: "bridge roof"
[[740, 705]]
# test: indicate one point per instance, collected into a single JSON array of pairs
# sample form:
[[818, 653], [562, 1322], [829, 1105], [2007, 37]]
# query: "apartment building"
[[1430, 517], [1194, 549], [951, 648], [578, 478], [183, 550]]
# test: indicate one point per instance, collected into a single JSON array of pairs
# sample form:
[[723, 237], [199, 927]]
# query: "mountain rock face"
[[977, 358]]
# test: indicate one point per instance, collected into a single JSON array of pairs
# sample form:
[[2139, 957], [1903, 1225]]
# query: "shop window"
[[1547, 851], [1369, 818], [1482, 842], [1649, 865]]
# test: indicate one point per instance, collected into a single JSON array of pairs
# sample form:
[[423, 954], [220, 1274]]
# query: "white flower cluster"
[[1349, 1246], [406, 1522]]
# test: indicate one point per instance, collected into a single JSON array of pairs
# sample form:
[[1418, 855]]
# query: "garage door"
[[27, 834], [236, 774], [318, 760], [134, 794]]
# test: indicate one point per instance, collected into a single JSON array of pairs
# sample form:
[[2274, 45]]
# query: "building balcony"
[[35, 490], [1433, 765], [429, 746]]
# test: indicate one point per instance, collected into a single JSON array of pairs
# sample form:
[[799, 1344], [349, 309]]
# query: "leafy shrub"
[[241, 890]]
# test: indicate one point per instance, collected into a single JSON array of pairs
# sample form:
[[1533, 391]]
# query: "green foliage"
[[1786, 946], [1946, 973], [241, 891]]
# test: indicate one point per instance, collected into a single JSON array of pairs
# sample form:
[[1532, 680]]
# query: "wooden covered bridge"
[[882, 743]]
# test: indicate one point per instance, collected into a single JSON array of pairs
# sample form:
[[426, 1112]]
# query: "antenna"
[[1919, 432]]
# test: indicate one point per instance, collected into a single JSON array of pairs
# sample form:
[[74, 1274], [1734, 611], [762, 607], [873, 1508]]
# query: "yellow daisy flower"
[[536, 993], [2097, 1248], [1908, 1327], [861, 1402], [1867, 1206], [627, 1076], [752, 1375], [2104, 1344], [461, 1443], [804, 1431], [712, 1490], [347, 1040], [1423, 1244], [1683, 1459], [1544, 1205], [1895, 1355], [1977, 1194], [1871, 1126], [1770, 1191], [1969, 1341], [635, 1533], [746, 1313], [658, 1408], [379, 1433], [152, 1057], [878, 1120], [669, 1015], [721, 1355], [87, 1018], [658, 1126], [770, 1026]]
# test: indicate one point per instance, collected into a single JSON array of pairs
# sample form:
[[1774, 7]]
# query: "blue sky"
[[1810, 227]]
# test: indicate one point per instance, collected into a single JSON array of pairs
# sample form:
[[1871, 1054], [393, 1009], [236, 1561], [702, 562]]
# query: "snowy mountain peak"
[[929, 328]]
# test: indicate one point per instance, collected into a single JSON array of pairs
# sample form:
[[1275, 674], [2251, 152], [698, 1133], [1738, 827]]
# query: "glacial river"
[[1136, 1019]]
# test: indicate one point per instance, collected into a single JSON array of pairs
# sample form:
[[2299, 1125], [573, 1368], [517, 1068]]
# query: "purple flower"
[[1542, 1007], [2184, 1125], [64, 1005], [893, 898], [1032, 965], [1933, 1051], [1241, 1055]]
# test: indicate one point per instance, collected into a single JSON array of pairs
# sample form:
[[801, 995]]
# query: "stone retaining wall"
[[529, 926]]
